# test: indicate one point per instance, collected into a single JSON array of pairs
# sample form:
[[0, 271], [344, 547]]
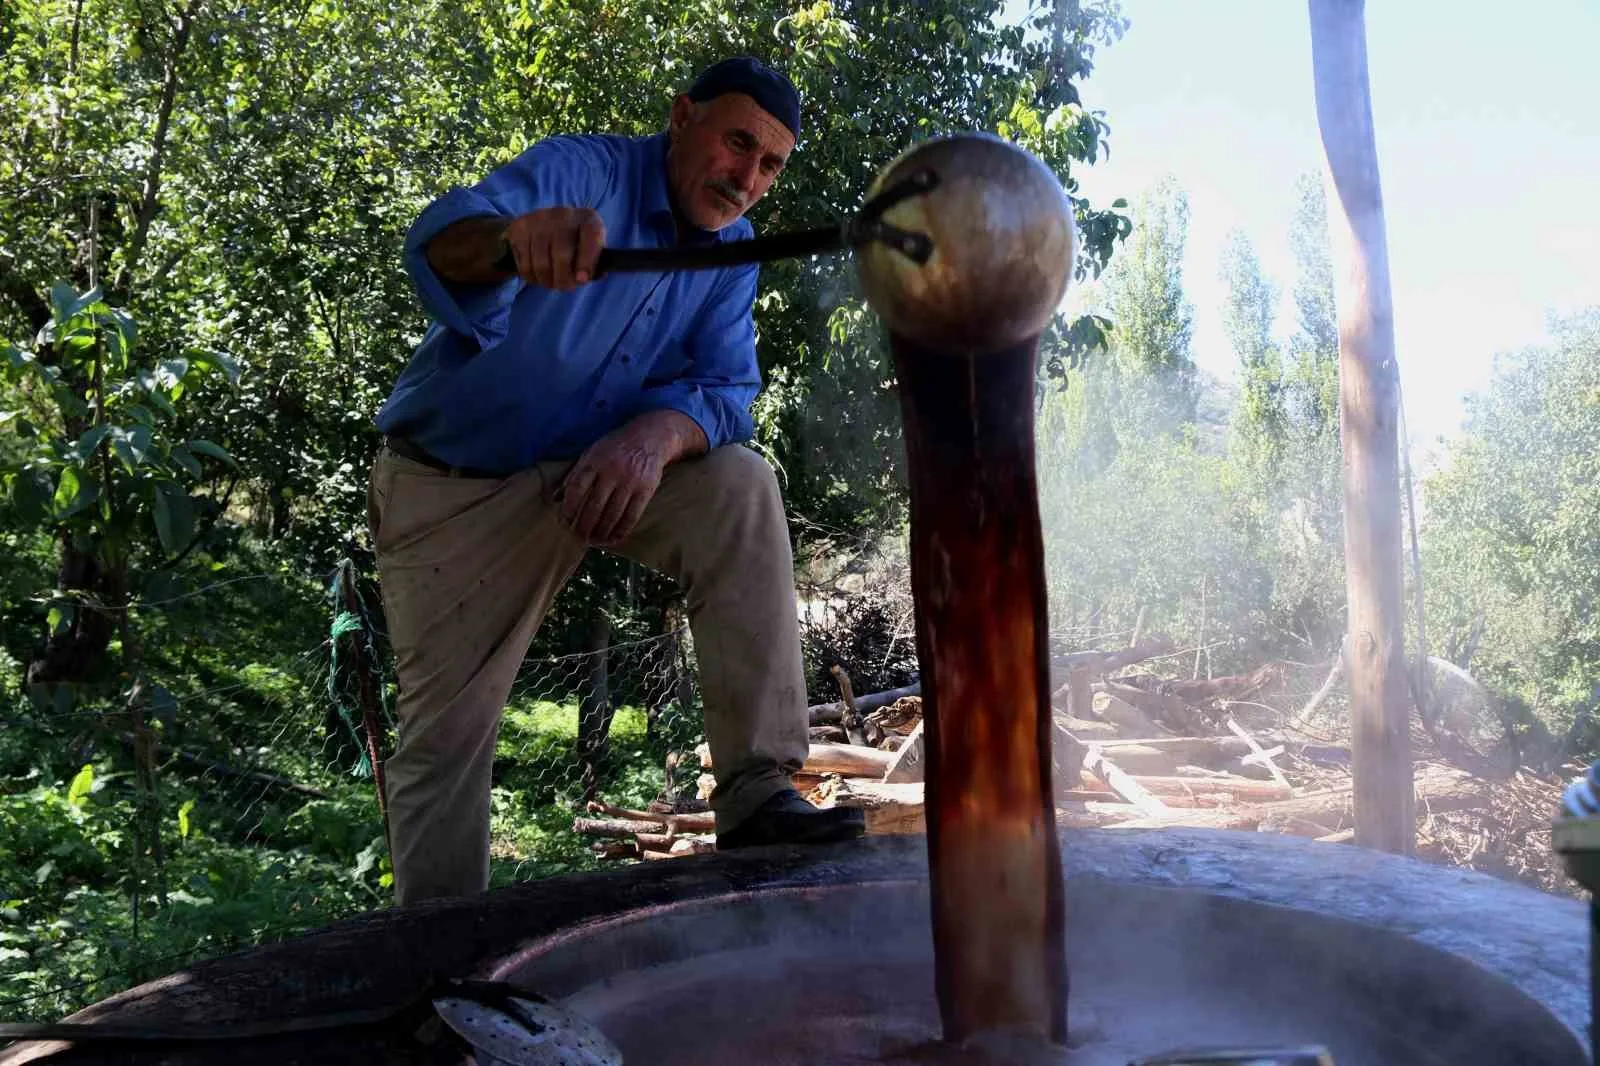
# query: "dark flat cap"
[[743, 74]]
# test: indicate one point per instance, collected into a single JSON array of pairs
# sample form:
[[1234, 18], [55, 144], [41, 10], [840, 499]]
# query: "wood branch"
[[1321, 694], [149, 197], [833, 713], [1260, 754], [606, 809], [851, 760], [828, 734], [850, 719], [1095, 761]]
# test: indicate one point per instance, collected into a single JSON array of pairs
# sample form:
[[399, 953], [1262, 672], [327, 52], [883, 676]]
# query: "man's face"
[[725, 155]]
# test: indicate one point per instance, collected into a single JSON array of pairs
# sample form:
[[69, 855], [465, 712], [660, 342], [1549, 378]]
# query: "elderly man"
[[553, 410]]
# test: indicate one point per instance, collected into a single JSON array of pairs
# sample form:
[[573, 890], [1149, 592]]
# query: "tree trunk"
[[76, 651], [1380, 700], [595, 710]]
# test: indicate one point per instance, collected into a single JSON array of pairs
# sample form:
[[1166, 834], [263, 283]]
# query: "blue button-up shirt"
[[512, 374]]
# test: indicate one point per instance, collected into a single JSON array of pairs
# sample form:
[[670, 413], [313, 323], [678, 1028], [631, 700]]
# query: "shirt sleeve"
[[557, 172], [723, 377]]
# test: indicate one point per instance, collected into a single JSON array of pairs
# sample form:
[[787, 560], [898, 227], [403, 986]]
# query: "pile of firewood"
[[1132, 751]]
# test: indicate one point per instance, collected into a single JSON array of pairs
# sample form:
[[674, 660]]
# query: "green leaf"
[[215, 451], [90, 441], [66, 489], [62, 297], [160, 400], [82, 785], [185, 458], [174, 516], [139, 443], [169, 372], [142, 414], [217, 361], [183, 819]]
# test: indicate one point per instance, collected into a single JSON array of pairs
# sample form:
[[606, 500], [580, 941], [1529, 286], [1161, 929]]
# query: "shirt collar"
[[655, 202]]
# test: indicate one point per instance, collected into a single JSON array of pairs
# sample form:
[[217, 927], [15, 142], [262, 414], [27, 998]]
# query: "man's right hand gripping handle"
[[554, 247]]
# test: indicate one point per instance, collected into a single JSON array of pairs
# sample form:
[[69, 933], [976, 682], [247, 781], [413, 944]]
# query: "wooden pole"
[[1368, 412]]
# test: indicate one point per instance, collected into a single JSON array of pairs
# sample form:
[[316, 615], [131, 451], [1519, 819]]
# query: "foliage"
[[1153, 321], [1511, 534], [94, 455]]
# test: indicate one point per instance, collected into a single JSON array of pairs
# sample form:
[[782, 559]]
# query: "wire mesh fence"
[[237, 802]]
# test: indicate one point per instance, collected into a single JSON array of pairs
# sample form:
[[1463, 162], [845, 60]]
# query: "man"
[[549, 411]]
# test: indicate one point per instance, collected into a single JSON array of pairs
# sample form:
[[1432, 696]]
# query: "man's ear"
[[683, 112]]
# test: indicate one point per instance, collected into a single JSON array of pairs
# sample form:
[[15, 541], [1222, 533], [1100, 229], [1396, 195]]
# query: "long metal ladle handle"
[[866, 225]]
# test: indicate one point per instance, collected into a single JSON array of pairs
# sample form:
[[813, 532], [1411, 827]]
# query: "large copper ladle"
[[964, 328]]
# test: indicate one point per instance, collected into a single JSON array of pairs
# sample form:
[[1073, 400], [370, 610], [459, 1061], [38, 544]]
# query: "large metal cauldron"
[[1174, 937]]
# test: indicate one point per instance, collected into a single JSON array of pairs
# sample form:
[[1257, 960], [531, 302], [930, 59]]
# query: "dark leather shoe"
[[787, 818]]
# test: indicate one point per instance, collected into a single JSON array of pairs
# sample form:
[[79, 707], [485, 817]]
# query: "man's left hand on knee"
[[605, 493]]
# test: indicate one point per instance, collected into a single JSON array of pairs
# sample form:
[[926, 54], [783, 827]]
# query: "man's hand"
[[606, 491], [557, 247]]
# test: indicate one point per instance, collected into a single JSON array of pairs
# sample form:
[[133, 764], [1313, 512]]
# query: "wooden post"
[[1380, 702]]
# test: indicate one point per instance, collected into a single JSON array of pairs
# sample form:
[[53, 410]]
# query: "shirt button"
[[600, 405], [649, 310], [626, 358]]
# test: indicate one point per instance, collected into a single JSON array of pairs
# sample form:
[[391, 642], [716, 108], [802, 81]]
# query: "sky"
[[1488, 136]]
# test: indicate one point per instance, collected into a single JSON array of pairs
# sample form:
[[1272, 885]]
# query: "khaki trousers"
[[468, 569]]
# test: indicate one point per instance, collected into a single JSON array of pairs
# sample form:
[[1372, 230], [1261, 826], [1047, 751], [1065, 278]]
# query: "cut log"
[[1159, 706], [851, 760], [889, 808], [616, 849], [909, 761], [1095, 761], [1207, 690], [1439, 789], [615, 827], [827, 734], [1103, 662], [833, 713], [1247, 789], [1128, 719]]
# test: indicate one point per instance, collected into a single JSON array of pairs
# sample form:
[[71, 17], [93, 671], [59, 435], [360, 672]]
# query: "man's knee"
[[735, 474]]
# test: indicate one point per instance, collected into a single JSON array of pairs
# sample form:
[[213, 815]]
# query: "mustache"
[[728, 189]]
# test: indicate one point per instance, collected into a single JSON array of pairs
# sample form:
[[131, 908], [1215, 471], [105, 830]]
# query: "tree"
[[1260, 423], [241, 178], [1512, 538], [1380, 700], [1151, 316]]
